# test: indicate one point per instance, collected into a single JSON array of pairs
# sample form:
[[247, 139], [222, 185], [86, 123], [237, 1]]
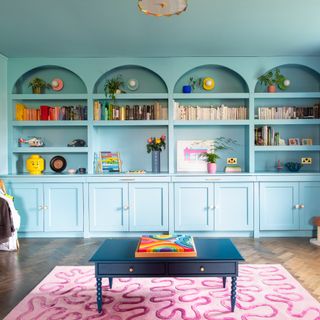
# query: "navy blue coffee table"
[[215, 258]]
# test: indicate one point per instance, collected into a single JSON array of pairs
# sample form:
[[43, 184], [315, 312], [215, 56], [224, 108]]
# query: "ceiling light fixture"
[[160, 8]]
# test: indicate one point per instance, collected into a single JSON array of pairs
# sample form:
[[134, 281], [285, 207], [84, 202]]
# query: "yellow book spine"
[[20, 111]]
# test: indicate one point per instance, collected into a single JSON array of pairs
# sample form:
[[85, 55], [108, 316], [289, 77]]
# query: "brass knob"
[[301, 206], [296, 206], [202, 269], [131, 269]]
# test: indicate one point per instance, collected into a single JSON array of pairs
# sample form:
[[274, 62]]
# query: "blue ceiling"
[[110, 28]]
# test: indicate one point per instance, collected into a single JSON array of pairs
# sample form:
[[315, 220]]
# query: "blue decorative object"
[[293, 166], [186, 89], [156, 161]]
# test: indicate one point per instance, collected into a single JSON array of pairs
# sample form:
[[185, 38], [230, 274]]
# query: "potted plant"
[[211, 156], [156, 145], [38, 85], [112, 87], [272, 79], [193, 82]]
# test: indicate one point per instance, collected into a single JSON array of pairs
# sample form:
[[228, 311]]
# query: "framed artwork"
[[307, 142], [189, 155], [294, 141]]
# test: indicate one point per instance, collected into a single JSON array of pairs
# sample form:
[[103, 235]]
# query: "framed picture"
[[189, 155], [294, 141], [307, 142]]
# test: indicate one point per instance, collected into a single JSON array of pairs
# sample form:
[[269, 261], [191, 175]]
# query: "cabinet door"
[[310, 200], [233, 206], [63, 207], [108, 206], [278, 202], [193, 206], [28, 200], [148, 206]]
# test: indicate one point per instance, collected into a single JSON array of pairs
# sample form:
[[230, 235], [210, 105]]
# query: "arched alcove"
[[148, 80], [302, 79], [72, 83], [226, 80]]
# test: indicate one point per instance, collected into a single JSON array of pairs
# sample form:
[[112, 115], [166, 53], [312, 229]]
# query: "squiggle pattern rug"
[[264, 292]]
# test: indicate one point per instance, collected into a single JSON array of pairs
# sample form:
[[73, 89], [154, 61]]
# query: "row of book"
[[106, 162], [50, 113], [269, 113], [105, 111], [266, 136], [221, 112]]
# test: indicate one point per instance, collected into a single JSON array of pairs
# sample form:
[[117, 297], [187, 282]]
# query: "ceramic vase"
[[212, 167], [186, 89], [37, 90], [155, 161], [272, 89]]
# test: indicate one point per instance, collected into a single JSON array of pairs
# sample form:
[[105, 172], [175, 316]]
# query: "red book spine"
[[44, 113]]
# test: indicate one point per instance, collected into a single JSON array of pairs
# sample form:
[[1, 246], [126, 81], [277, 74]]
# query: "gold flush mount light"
[[160, 8]]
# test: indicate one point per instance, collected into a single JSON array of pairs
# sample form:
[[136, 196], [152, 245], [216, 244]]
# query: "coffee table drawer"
[[212, 268], [131, 269]]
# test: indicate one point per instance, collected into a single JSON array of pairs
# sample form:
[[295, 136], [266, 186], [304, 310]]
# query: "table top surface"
[[209, 249]]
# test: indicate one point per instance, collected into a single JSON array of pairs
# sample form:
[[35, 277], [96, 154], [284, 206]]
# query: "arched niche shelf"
[[148, 80], [226, 80], [302, 79], [73, 84]]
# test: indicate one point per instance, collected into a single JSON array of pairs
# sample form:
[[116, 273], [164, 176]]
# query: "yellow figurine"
[[35, 164]]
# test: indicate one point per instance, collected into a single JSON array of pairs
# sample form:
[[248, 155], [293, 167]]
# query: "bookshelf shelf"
[[54, 96], [133, 96], [287, 148], [63, 123], [195, 96], [211, 122], [287, 95], [116, 123], [288, 122], [40, 150]]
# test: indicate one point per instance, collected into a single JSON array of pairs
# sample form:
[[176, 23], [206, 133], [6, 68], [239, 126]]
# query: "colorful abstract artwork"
[[166, 246]]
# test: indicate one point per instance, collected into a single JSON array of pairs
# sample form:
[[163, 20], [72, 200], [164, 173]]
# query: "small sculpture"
[[77, 143], [33, 142], [35, 164]]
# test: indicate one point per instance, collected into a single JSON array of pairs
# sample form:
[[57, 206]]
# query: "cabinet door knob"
[[301, 206], [45, 207], [40, 207], [131, 269], [126, 207], [297, 206], [202, 269], [211, 207]]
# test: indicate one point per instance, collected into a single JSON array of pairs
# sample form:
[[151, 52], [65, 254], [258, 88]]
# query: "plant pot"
[[272, 89], [212, 167], [155, 161], [187, 89], [37, 90]]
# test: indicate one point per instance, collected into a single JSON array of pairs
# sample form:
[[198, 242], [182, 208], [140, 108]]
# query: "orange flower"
[[149, 140]]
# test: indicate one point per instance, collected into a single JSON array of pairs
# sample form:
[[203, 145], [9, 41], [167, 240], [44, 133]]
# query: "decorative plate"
[[58, 163], [133, 84], [56, 84], [208, 83]]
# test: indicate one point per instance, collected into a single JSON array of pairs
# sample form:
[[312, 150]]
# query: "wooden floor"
[[21, 271]]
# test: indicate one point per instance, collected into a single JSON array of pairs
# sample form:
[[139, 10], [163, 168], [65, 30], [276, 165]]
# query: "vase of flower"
[[212, 167], [155, 146], [155, 161]]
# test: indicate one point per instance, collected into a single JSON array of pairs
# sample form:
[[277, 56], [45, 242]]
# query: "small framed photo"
[[294, 141], [306, 142]]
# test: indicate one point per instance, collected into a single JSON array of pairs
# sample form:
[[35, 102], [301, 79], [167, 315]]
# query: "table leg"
[[233, 292], [110, 282], [224, 279], [99, 294]]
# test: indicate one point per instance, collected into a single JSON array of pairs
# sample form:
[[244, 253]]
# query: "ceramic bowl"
[[293, 166]]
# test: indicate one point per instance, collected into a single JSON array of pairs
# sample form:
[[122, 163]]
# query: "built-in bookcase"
[[129, 137]]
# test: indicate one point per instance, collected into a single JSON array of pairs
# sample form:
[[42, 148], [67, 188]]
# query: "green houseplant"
[[113, 87], [211, 156], [38, 85], [271, 79]]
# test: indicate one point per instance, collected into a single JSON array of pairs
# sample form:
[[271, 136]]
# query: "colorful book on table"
[[157, 246]]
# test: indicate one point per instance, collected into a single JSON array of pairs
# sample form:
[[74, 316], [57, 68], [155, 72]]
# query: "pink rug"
[[264, 292]]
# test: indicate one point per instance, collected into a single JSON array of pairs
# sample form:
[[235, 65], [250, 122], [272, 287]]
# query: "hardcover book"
[[157, 246]]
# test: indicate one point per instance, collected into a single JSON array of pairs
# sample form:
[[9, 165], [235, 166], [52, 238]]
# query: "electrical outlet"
[[232, 160], [306, 160]]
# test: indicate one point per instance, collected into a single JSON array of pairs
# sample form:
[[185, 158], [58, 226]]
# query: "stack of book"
[[52, 113], [266, 136], [136, 112], [270, 113], [221, 112]]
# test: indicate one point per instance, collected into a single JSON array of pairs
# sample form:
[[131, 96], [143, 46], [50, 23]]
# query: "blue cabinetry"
[[234, 206], [128, 206], [49, 206], [279, 206], [194, 206]]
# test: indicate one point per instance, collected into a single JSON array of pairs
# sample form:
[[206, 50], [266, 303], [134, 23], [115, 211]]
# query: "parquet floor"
[[21, 271]]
